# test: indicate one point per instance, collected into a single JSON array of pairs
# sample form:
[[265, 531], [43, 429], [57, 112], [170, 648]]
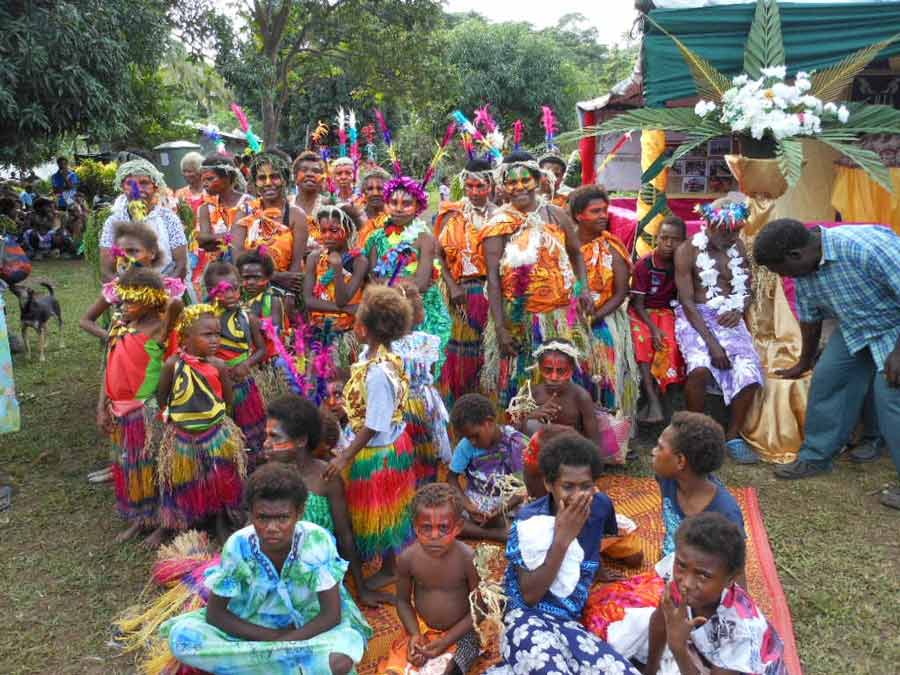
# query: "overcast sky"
[[610, 17]]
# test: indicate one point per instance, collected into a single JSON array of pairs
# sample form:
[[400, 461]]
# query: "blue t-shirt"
[[723, 502], [601, 523]]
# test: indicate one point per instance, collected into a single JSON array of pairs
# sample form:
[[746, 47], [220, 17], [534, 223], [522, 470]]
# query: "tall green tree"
[[70, 67]]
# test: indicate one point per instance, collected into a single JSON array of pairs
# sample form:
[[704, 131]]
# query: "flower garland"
[[709, 277], [325, 279]]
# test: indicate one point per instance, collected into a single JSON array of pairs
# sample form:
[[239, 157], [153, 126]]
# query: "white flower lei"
[[709, 277]]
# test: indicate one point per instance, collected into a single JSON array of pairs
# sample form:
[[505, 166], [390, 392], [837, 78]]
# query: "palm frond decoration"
[[790, 160], [765, 45], [711, 83], [873, 119], [669, 119], [867, 160], [831, 83]]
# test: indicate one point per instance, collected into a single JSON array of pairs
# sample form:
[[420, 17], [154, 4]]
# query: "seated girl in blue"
[[554, 555], [277, 604]]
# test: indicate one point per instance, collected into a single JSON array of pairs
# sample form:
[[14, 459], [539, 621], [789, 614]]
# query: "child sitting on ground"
[[653, 319], [201, 459], [125, 409], [486, 454], [277, 603], [333, 405], [241, 347], [560, 400], [380, 456], [706, 621], [438, 574], [258, 297]]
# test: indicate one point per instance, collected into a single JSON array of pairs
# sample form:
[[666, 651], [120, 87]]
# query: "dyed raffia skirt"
[[426, 423], [502, 376], [382, 485], [616, 381], [250, 415], [333, 350], [437, 322], [200, 474], [465, 351], [134, 468]]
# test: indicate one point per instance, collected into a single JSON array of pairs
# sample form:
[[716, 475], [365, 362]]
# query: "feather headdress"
[[388, 138], [548, 119], [253, 141]]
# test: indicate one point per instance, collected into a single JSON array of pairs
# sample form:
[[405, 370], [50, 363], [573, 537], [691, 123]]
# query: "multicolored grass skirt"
[[382, 485], [465, 351], [250, 415], [502, 376], [616, 381], [200, 474], [134, 469], [437, 322], [418, 427]]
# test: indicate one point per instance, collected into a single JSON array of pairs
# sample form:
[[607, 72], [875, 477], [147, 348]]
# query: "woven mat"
[[638, 498]]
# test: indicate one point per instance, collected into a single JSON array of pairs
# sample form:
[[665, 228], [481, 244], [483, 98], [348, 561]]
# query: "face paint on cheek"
[[435, 528], [556, 368]]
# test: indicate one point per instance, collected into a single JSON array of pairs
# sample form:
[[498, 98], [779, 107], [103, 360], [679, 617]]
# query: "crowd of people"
[[290, 375]]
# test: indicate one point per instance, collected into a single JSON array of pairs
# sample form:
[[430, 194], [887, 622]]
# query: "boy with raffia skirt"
[[201, 459], [241, 347], [437, 572], [134, 359], [380, 455]]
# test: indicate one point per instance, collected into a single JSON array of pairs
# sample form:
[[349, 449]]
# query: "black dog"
[[35, 311]]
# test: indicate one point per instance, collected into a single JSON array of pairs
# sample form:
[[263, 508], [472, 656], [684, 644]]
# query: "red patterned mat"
[[638, 498]]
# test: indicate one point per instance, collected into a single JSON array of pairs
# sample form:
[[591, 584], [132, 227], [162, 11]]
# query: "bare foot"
[[606, 575], [129, 534], [155, 539], [652, 414], [380, 579]]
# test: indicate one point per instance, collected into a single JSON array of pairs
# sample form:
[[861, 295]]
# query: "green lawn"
[[63, 578]]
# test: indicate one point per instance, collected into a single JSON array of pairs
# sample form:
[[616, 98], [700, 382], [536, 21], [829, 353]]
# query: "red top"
[[655, 281]]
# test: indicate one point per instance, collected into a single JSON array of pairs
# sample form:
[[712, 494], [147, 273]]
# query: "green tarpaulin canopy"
[[816, 36]]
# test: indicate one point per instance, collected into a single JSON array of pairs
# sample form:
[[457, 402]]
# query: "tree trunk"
[[270, 119]]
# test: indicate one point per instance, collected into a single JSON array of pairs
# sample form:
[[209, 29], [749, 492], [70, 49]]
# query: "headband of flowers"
[[190, 315], [146, 296], [566, 348], [731, 216], [410, 185]]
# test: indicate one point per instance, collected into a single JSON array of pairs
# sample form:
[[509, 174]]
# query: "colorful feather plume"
[[548, 119], [468, 144], [241, 117], [518, 131], [320, 133], [368, 132], [212, 134], [295, 379], [389, 143], [484, 119], [440, 154], [341, 120]]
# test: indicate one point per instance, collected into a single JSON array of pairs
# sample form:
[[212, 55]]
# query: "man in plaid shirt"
[[851, 273]]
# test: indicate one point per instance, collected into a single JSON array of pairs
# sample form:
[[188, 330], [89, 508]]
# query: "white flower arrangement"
[[769, 104]]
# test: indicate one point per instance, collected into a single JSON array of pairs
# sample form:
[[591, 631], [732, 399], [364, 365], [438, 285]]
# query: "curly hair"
[[141, 277], [385, 313], [306, 156], [140, 231], [254, 257], [373, 172], [408, 288], [217, 270], [700, 439], [777, 238], [471, 410], [570, 449], [276, 161], [298, 417], [331, 430], [276, 480], [713, 534], [580, 198], [437, 494], [674, 221]]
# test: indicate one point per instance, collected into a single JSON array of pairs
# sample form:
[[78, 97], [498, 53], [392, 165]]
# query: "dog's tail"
[[47, 285]]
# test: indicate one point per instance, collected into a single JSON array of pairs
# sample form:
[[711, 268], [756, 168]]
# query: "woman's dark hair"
[[218, 270], [700, 439], [675, 221], [276, 481], [298, 417], [581, 197], [477, 164], [136, 277], [306, 156], [777, 238], [471, 410], [713, 534], [140, 231], [254, 257], [553, 159], [437, 494], [385, 313], [569, 449], [216, 160], [275, 160]]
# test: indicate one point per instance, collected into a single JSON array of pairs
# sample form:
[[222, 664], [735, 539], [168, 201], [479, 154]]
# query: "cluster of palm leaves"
[[765, 49]]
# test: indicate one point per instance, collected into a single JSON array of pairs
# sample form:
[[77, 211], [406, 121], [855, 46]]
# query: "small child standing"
[[201, 459], [241, 347], [487, 452], [653, 292], [125, 410], [438, 574], [706, 618], [258, 297], [380, 456]]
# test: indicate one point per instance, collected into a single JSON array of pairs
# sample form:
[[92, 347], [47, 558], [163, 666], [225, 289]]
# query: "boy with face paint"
[[370, 202], [458, 228], [706, 622], [437, 573], [557, 191], [554, 557], [306, 622], [486, 453]]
